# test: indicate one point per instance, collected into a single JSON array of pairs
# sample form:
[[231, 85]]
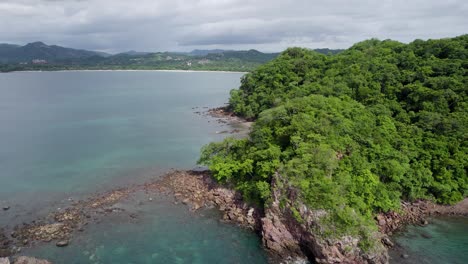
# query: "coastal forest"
[[354, 133], [38, 56]]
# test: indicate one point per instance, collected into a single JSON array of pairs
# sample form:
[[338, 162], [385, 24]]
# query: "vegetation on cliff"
[[354, 133]]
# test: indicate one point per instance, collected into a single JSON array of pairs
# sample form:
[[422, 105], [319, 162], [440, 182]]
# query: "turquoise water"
[[71, 134], [162, 233], [78, 132], [444, 240], [66, 131]]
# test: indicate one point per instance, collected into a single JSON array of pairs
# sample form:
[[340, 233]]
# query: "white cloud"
[[273, 25]]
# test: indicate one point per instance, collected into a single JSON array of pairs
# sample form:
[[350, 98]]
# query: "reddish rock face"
[[277, 238], [293, 240]]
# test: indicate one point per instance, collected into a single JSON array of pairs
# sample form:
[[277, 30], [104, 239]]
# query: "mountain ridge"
[[38, 50], [40, 56]]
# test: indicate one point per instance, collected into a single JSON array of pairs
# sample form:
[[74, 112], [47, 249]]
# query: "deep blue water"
[[71, 134]]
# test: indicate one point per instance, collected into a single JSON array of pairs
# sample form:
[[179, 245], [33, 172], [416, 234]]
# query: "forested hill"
[[354, 133], [39, 56], [13, 54]]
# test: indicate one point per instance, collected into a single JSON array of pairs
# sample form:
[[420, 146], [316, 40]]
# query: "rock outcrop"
[[292, 238], [287, 239], [199, 190], [416, 213], [277, 238], [287, 230]]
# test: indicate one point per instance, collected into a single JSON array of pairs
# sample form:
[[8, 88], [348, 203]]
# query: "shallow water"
[[444, 240], [159, 232], [70, 134]]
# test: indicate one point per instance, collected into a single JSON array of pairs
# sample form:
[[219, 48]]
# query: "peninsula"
[[340, 142]]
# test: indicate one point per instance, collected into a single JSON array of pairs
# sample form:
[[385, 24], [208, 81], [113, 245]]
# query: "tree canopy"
[[354, 132]]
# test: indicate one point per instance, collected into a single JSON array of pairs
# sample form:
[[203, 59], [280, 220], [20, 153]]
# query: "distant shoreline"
[[128, 71]]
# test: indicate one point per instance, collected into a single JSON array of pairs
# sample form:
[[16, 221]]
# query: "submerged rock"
[[4, 252], [416, 213], [30, 260], [62, 243], [426, 235], [387, 242], [4, 261], [5, 244]]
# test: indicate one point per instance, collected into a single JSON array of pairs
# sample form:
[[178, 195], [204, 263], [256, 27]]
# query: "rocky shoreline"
[[416, 213], [24, 260], [225, 116], [289, 244], [59, 225], [287, 240], [196, 189]]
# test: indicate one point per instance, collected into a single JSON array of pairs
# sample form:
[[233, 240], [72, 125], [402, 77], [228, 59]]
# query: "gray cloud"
[[155, 25]]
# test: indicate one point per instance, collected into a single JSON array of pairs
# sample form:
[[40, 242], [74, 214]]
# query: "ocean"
[[65, 136]]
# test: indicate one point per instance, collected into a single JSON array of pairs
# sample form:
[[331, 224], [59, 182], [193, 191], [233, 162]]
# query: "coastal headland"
[[285, 238], [198, 191]]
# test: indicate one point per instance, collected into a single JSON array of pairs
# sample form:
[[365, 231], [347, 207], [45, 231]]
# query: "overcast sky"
[[266, 25]]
